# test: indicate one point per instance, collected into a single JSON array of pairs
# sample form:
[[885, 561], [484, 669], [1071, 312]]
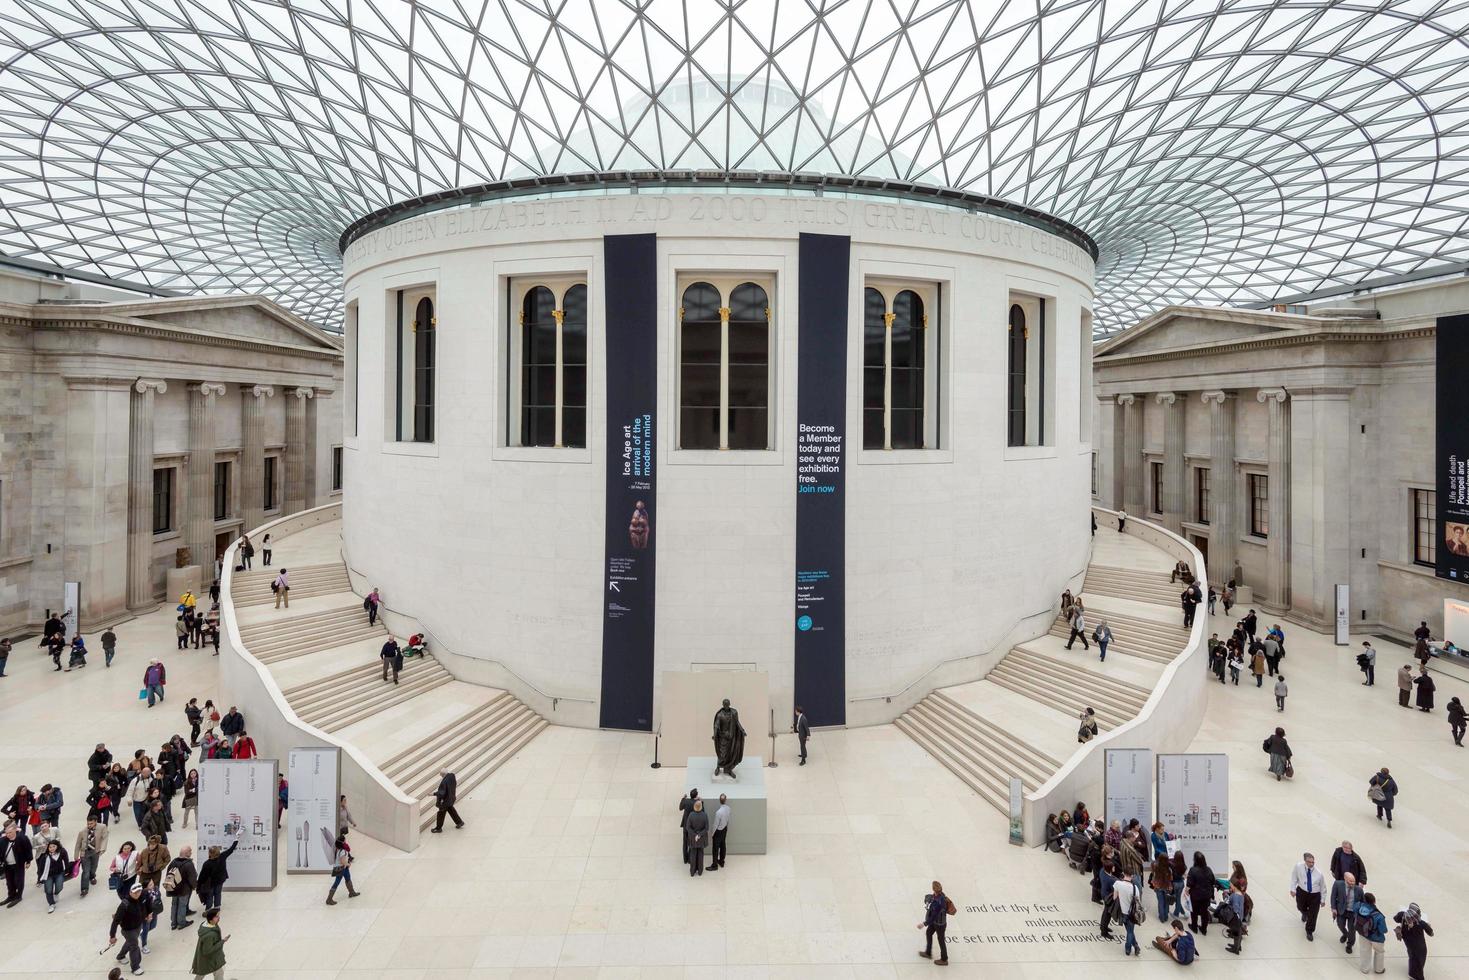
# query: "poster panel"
[[1017, 811], [821, 521], [631, 523], [237, 803], [1452, 559], [313, 775], [1193, 804], [71, 604], [1343, 615], [1127, 786]]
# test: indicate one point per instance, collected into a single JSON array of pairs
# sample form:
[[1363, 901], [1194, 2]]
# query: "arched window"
[[1018, 356], [424, 324], [724, 365], [898, 364], [700, 352], [552, 354], [748, 378]]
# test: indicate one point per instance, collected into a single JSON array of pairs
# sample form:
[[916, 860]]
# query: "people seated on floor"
[[417, 645], [1178, 944], [1181, 573]]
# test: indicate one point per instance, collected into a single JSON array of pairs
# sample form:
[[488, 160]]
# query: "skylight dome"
[[1221, 152]]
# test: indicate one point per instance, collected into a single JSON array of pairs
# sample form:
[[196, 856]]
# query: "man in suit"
[[721, 830], [1346, 861], [1307, 886], [444, 798], [15, 858], [802, 728], [685, 807], [1346, 895]]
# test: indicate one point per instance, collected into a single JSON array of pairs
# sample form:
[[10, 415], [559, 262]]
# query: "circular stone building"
[[603, 427]]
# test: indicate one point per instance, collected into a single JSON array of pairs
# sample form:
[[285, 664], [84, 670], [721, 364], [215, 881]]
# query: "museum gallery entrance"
[[1202, 543], [222, 540]]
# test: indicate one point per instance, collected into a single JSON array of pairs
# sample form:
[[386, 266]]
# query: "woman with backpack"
[[937, 909]]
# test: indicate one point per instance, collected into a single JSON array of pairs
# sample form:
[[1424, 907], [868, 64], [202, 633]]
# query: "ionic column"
[[140, 493], [199, 498], [1132, 455], [252, 457], [1173, 472], [1222, 531], [296, 449], [1277, 543]]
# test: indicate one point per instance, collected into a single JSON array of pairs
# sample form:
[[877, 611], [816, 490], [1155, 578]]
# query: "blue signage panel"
[[1453, 448], [631, 269], [821, 517]]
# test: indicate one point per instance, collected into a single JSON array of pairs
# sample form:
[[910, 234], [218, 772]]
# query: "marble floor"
[[568, 866]]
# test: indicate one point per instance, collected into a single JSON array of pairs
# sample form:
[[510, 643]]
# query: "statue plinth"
[[747, 801]]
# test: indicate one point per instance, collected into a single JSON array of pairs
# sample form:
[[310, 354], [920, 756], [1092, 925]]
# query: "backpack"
[[366, 604], [1363, 925], [173, 879], [1184, 947], [275, 586]]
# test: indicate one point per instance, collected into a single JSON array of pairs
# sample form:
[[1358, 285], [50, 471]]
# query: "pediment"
[[247, 317], [1177, 328]]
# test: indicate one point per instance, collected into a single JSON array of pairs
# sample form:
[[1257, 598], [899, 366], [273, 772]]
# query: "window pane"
[[574, 386], [747, 428], [1017, 364], [907, 330], [874, 367], [698, 428], [538, 426], [538, 386], [701, 302], [574, 306], [748, 385], [907, 429], [906, 391], [872, 428], [700, 386], [700, 342], [423, 371], [574, 427], [749, 343], [748, 302], [873, 329]]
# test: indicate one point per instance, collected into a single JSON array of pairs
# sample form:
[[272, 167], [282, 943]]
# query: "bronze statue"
[[729, 740]]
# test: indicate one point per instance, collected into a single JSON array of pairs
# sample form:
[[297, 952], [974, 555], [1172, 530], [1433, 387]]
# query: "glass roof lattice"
[[1231, 152]]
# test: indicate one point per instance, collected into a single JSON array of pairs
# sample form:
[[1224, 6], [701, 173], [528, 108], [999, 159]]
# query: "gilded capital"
[[143, 385]]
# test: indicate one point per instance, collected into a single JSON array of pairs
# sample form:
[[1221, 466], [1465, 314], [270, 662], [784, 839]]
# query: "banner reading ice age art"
[[1453, 448], [1193, 803]]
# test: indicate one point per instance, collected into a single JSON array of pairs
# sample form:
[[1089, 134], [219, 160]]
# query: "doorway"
[[1202, 543], [222, 540]]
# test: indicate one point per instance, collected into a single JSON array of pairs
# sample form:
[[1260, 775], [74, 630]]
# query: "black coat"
[[447, 792], [128, 917], [97, 764], [215, 871], [1425, 690], [21, 845], [188, 876], [1342, 863], [232, 724], [697, 824], [1201, 884]]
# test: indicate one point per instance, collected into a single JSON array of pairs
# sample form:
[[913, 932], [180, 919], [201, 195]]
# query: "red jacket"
[[244, 747]]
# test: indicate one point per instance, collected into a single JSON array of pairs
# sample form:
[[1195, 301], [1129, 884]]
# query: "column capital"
[[143, 385], [210, 389], [262, 391], [1216, 397], [1126, 399], [1165, 398], [302, 393], [1272, 394]]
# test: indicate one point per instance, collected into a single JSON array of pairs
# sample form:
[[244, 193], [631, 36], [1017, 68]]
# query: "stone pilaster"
[[1173, 469], [299, 447], [199, 498], [252, 456], [1223, 535], [1320, 501], [1118, 464], [140, 494], [1277, 545], [1132, 455]]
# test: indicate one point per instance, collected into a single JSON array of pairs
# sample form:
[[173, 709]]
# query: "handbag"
[[1290, 770], [114, 881], [1139, 914], [949, 906], [214, 716], [35, 818]]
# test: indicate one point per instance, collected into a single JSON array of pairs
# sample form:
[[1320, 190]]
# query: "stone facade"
[[1313, 431], [98, 389]]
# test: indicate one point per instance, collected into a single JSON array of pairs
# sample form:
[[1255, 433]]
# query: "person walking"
[[802, 728], [1425, 689], [1201, 885], [1369, 664], [1088, 728], [153, 860], [936, 906], [243, 747], [1371, 929], [1236, 664], [128, 919], [191, 799], [1457, 719], [179, 883], [1273, 653], [5, 647], [1307, 887], [1346, 895], [265, 552], [209, 949], [344, 815], [1413, 930], [154, 678], [16, 854], [213, 873], [1405, 684], [156, 822], [721, 831], [370, 604], [180, 632], [109, 647], [232, 724], [1189, 599], [1382, 790], [1280, 692], [281, 586], [341, 868], [1345, 860], [392, 658], [444, 798], [1103, 636], [1280, 753], [1121, 521], [1257, 666], [247, 551], [195, 717], [91, 844], [122, 871], [697, 830], [1078, 628], [52, 869]]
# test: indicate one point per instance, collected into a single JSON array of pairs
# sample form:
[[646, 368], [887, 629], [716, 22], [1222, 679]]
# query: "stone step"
[[331, 719], [409, 760], [1065, 698], [477, 763], [981, 754], [1083, 670], [318, 622], [302, 648], [979, 783]]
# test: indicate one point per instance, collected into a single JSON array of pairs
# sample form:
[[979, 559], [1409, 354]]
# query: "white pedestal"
[[1244, 595], [747, 801], [178, 580]]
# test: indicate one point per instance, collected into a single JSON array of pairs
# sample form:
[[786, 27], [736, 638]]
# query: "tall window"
[[551, 348], [221, 490], [336, 467], [1259, 505], [1201, 494], [1155, 481], [1096, 476], [163, 500], [899, 370], [1027, 371], [1425, 527], [424, 324], [351, 368], [724, 366], [269, 495], [1018, 340]]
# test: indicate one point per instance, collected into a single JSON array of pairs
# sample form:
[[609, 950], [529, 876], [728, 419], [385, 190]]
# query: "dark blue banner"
[[821, 515], [631, 269], [1453, 448]]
